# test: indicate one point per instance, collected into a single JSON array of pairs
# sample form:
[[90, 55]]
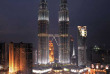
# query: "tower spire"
[[43, 1], [63, 5], [43, 4], [63, 13], [43, 13], [63, 1]]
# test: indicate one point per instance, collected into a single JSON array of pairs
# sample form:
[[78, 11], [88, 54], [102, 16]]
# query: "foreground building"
[[43, 43], [51, 52], [20, 58], [100, 54], [3, 56], [64, 48], [82, 34]]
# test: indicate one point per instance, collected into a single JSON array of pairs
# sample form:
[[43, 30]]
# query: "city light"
[[83, 31], [51, 52], [41, 71], [1, 67], [107, 67], [79, 71], [65, 69], [59, 50]]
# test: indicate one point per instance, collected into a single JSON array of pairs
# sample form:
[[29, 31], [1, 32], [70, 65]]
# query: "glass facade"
[[43, 43], [64, 48]]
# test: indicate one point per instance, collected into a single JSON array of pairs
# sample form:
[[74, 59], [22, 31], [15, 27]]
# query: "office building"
[[20, 58], [82, 35], [64, 47], [43, 43]]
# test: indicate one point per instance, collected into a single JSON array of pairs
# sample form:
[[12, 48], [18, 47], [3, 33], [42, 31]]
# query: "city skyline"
[[64, 39], [19, 19]]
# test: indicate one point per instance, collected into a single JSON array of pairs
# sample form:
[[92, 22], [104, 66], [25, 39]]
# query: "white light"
[[97, 66], [73, 70], [65, 69], [106, 67], [92, 65], [102, 66], [1, 67], [81, 70], [41, 71]]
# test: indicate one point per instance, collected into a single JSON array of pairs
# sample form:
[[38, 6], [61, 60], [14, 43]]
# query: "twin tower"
[[43, 33]]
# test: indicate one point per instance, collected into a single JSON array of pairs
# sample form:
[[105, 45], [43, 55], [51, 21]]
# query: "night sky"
[[18, 19]]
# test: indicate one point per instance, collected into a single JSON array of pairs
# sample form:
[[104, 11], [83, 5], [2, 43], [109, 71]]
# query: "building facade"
[[71, 47], [3, 56], [51, 52], [64, 48], [43, 43], [20, 58], [100, 54], [82, 34]]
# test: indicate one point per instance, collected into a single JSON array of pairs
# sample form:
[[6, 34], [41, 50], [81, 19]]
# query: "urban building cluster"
[[17, 58]]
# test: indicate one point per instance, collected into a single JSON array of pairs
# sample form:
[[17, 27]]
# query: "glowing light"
[[80, 71], [41, 71], [107, 67], [63, 16], [102, 66], [72, 70], [43, 15], [1, 67], [82, 30], [11, 57], [56, 71], [92, 65], [97, 66], [51, 52], [65, 69]]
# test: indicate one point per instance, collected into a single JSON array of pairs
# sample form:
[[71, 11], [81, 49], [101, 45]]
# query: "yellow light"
[[51, 52], [82, 30]]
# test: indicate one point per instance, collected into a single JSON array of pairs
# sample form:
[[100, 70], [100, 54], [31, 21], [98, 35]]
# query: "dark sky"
[[18, 19]]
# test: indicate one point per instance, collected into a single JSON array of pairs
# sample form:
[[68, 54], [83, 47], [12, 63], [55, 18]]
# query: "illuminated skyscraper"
[[43, 43], [64, 48], [51, 52], [82, 34], [20, 58]]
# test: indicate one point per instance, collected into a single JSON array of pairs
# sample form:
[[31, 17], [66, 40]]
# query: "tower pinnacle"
[[43, 4], [43, 13], [63, 1]]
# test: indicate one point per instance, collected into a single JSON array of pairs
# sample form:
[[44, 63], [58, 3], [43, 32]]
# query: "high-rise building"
[[20, 58], [100, 54], [82, 34], [43, 43], [64, 48], [71, 46], [3, 56], [51, 52], [72, 51]]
